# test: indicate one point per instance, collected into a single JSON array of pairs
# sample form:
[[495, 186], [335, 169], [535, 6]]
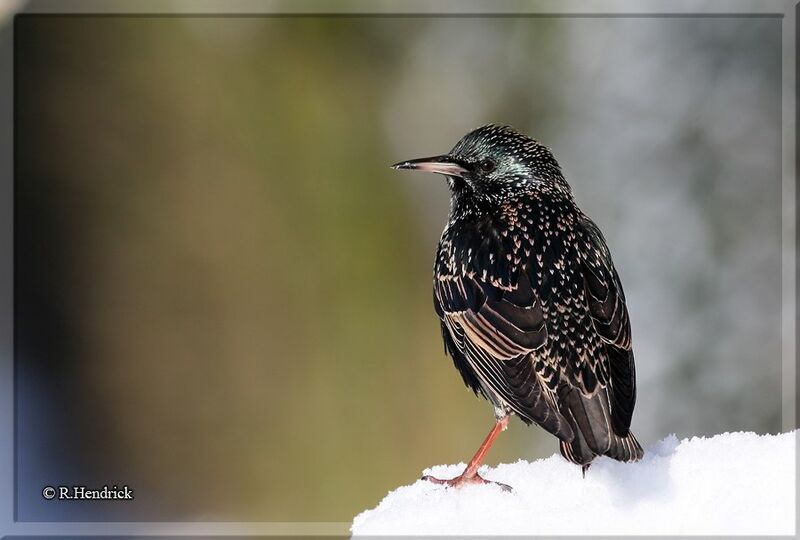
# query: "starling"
[[531, 307]]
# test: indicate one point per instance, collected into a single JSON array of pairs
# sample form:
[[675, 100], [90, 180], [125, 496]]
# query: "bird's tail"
[[594, 434], [625, 448], [622, 449]]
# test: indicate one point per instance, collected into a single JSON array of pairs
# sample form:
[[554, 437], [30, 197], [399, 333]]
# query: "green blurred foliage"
[[251, 299]]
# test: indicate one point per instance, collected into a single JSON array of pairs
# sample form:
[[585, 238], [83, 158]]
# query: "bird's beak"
[[438, 164]]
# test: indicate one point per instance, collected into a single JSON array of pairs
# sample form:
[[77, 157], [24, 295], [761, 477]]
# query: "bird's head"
[[494, 163]]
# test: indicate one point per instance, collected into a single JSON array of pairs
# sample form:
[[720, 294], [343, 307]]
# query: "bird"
[[531, 308]]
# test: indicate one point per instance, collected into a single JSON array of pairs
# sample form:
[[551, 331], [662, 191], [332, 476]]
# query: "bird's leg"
[[470, 474]]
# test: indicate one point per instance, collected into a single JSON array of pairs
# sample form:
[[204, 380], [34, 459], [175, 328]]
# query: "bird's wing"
[[609, 317], [493, 331]]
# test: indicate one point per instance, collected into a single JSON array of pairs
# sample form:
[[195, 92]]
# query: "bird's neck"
[[475, 242], [493, 243]]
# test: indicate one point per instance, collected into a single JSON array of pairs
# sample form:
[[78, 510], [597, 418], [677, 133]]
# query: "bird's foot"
[[463, 480]]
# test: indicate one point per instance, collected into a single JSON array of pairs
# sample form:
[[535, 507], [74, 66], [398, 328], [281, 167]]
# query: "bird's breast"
[[493, 249]]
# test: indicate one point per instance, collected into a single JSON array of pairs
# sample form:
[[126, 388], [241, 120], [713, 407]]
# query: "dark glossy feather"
[[555, 348], [610, 317], [490, 338]]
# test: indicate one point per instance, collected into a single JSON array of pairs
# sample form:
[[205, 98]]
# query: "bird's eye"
[[486, 165]]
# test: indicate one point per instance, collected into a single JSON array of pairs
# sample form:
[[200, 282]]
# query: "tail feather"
[[625, 448], [577, 451], [594, 436]]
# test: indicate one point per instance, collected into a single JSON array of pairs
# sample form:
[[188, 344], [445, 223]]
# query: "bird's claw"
[[462, 480]]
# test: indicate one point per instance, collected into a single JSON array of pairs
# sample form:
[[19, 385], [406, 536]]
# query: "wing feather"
[[609, 314], [495, 331]]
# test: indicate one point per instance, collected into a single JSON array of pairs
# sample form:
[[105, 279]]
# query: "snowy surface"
[[734, 483]]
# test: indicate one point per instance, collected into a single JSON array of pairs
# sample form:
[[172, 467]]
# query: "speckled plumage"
[[532, 309]]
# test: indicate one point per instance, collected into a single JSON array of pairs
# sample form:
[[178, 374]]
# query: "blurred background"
[[223, 293]]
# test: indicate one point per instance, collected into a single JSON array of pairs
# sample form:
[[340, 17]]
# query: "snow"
[[734, 483]]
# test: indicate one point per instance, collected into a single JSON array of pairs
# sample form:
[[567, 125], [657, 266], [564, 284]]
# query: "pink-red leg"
[[470, 474]]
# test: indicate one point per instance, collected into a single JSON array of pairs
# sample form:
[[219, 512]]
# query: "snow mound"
[[734, 483]]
